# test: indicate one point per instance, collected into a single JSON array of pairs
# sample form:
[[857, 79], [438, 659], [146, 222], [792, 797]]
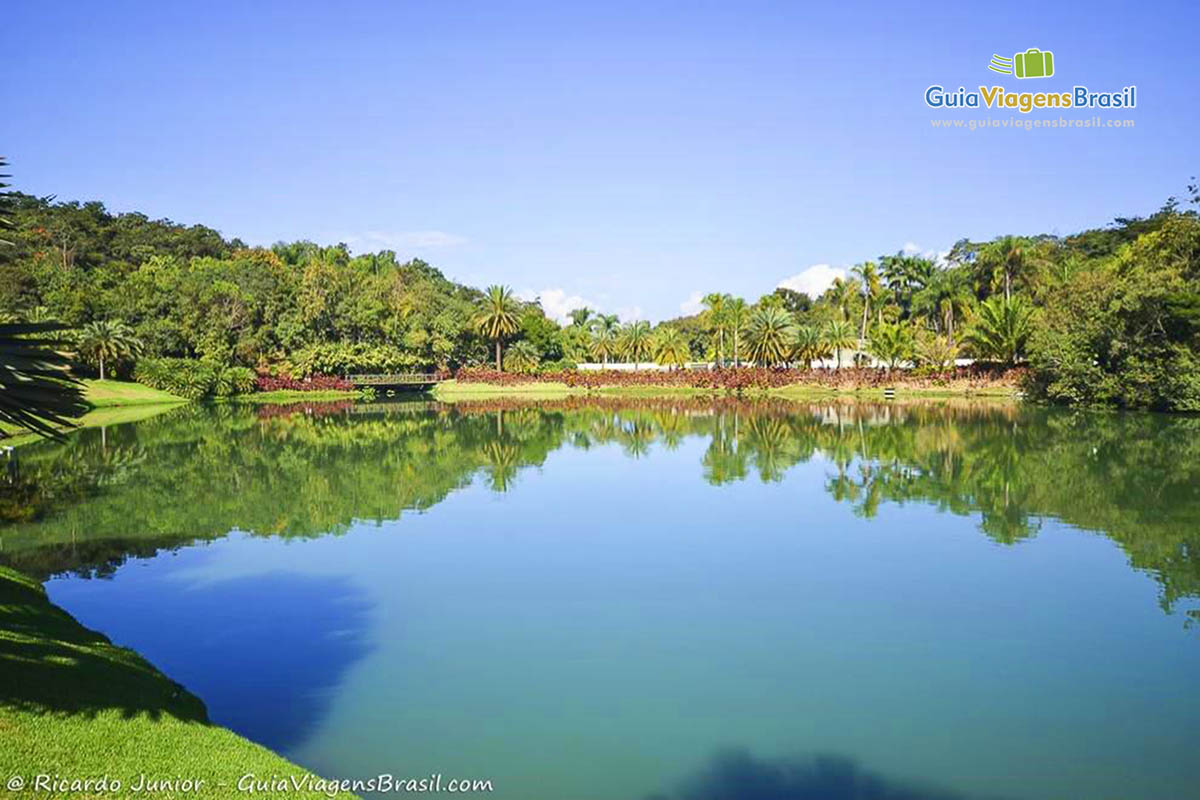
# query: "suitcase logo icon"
[[1033, 63]]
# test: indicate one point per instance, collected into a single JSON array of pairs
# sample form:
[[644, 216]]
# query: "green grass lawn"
[[75, 705], [105, 394]]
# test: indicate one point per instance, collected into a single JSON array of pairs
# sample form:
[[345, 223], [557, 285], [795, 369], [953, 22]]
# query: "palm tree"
[[635, 341], [935, 352], [891, 343], [107, 340], [497, 318], [580, 317], [769, 336], [671, 347], [717, 319], [808, 344], [1000, 329], [842, 292], [839, 334], [945, 298], [37, 392], [736, 313], [604, 337], [872, 288], [1002, 262], [522, 357], [905, 275]]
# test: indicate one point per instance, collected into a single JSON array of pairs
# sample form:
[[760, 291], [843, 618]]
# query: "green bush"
[[194, 379]]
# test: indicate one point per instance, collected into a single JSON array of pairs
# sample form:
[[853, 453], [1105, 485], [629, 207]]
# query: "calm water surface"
[[677, 600]]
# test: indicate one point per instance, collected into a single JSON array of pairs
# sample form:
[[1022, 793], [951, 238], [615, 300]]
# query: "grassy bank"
[[106, 394], [75, 705], [113, 402]]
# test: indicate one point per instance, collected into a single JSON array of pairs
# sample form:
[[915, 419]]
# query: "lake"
[[670, 599]]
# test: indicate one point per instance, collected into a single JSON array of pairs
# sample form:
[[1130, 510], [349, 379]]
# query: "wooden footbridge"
[[400, 382]]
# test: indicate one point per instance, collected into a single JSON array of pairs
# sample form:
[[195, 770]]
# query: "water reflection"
[[313, 469], [265, 652], [738, 775]]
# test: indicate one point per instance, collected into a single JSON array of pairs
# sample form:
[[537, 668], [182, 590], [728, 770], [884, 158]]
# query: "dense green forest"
[[1106, 317]]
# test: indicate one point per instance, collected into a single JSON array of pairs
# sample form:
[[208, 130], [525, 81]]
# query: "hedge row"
[[314, 383]]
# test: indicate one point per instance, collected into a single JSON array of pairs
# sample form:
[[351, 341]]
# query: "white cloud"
[[910, 248], [631, 313], [400, 241], [557, 304], [693, 305], [814, 280]]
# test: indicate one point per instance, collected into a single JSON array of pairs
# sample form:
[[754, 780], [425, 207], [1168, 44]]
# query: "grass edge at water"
[[75, 705]]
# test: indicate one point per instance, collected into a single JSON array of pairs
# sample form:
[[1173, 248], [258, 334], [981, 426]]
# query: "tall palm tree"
[[944, 299], [604, 337], [580, 317], [808, 344], [635, 341], [769, 336], [107, 340], [1002, 262], [842, 293], [671, 347], [717, 319], [872, 289], [737, 313], [839, 334], [37, 392], [1001, 328], [497, 317]]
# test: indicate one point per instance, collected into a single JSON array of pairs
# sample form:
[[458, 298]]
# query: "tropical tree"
[[904, 275], [842, 294], [670, 347], [717, 320], [604, 337], [872, 291], [945, 298], [938, 353], [808, 344], [107, 341], [635, 341], [580, 317], [497, 317], [1002, 263], [1001, 328], [769, 336], [37, 392], [737, 314], [891, 343], [839, 334], [522, 357]]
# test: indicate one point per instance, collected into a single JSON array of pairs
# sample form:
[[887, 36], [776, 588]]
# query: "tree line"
[[1108, 316]]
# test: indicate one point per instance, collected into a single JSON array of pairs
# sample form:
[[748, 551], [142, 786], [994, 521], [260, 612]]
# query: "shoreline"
[[89, 707], [453, 391]]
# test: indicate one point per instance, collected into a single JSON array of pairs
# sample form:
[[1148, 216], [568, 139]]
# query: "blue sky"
[[626, 155]]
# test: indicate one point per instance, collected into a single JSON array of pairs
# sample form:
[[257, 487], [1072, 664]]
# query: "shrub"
[[313, 383], [191, 378]]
